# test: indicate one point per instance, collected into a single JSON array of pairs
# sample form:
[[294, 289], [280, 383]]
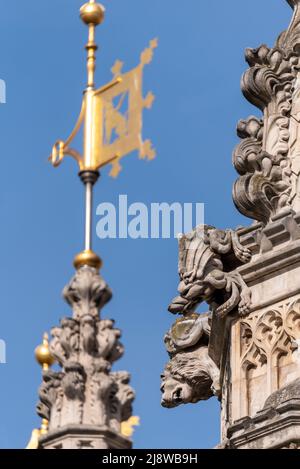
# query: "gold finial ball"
[[92, 13], [89, 258], [42, 353]]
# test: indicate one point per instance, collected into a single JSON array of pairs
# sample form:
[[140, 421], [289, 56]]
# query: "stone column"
[[85, 402], [248, 353]]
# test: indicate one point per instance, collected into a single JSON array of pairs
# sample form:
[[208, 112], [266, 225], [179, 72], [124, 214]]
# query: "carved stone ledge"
[[289, 392], [269, 429], [281, 229], [84, 437]]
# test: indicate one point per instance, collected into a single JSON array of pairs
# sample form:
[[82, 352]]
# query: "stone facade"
[[85, 402], [246, 349]]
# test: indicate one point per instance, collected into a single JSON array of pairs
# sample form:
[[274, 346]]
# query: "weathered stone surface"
[[249, 277], [272, 428], [266, 159], [85, 395], [288, 392]]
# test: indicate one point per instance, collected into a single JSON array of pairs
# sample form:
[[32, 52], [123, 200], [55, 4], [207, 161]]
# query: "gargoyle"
[[202, 274], [124, 396], [73, 381], [48, 393], [191, 375]]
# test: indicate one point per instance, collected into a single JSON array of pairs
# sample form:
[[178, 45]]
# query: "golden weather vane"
[[111, 117]]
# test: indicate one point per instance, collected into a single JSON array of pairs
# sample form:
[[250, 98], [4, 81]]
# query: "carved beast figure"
[[188, 378], [48, 393], [191, 375], [124, 396], [202, 275], [73, 381]]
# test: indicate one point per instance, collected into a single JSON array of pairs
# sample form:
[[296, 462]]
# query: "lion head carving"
[[189, 377]]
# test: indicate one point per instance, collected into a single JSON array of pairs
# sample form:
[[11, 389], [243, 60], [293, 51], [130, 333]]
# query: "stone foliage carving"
[[191, 375], [87, 293], [85, 347], [264, 158], [202, 274]]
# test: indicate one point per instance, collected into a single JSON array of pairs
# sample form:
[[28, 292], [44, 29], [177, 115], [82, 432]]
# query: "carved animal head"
[[73, 382], [202, 275], [197, 258], [48, 392], [185, 380], [125, 395], [201, 271]]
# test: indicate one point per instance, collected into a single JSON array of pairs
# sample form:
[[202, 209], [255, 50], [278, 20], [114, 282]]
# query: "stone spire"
[[245, 350], [85, 402]]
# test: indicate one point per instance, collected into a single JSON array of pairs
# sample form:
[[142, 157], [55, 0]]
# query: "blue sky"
[[195, 76]]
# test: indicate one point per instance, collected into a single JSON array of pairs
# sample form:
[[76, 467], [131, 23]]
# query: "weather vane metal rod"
[[92, 14], [89, 178], [88, 216]]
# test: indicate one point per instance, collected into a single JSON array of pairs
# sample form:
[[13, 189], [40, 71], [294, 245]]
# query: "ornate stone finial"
[[85, 394], [46, 360]]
